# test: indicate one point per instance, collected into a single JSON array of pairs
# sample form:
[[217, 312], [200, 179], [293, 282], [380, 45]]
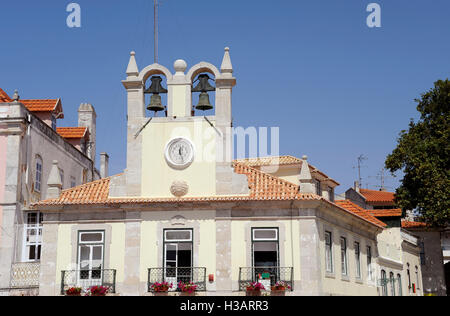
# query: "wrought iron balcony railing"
[[175, 275], [272, 274], [25, 275], [87, 278]]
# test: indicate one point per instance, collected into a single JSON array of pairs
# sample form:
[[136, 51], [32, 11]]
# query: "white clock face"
[[180, 153]]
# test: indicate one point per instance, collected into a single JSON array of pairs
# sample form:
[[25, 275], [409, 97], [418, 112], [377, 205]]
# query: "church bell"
[[204, 87], [155, 90]]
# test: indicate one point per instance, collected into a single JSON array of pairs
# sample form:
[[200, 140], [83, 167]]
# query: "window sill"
[[345, 278], [330, 275], [359, 281]]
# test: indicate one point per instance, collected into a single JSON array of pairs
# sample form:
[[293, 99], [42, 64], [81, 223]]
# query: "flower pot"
[[187, 294], [278, 293], [79, 294], [161, 294], [253, 293]]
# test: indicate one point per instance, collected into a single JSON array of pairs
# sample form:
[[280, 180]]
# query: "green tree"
[[422, 154]]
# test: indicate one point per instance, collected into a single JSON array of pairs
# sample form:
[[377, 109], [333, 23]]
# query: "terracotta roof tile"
[[72, 132], [409, 224], [263, 187], [348, 205], [49, 105], [386, 213], [280, 161], [378, 197], [4, 97]]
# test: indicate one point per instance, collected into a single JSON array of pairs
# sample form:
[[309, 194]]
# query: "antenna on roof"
[[381, 176], [155, 29], [360, 162]]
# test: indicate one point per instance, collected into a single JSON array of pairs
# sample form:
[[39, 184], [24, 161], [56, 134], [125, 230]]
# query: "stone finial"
[[227, 67], [180, 66], [54, 184], [305, 178], [132, 70], [16, 96]]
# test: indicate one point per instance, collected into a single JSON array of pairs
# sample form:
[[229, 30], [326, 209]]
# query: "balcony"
[[88, 278], [175, 275], [25, 275], [268, 275]]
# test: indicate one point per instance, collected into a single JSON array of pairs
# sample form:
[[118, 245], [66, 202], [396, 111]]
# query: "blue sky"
[[336, 88]]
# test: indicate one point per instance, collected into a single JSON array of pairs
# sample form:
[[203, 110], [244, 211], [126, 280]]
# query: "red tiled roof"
[[280, 161], [4, 96], [72, 132], [409, 224], [386, 213], [380, 198], [263, 187], [360, 212], [49, 105]]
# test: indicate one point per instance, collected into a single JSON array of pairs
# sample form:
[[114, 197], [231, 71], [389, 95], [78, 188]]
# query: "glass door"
[[90, 259]]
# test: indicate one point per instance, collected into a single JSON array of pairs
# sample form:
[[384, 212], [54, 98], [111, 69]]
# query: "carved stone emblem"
[[179, 188]]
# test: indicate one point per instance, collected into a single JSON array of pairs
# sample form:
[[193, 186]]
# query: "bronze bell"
[[204, 87], [156, 89]]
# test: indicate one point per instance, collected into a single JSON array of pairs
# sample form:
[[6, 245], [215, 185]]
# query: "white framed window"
[[61, 174], [392, 281], [38, 175], [73, 182], [265, 247], [329, 252], [384, 282], [32, 237], [265, 234], [331, 194], [178, 255], [91, 246], [344, 256], [318, 186], [358, 259], [53, 122], [399, 285], [369, 263]]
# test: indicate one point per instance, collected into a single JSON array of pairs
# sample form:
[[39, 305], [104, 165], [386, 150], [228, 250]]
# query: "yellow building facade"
[[184, 211]]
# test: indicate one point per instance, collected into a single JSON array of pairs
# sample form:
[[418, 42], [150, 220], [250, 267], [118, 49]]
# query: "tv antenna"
[[382, 177], [361, 159]]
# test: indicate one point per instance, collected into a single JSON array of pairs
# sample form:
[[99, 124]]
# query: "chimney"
[[104, 165], [357, 187], [88, 118], [54, 184]]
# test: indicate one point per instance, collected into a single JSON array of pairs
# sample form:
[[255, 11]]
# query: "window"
[[33, 236], [408, 273], [85, 176], [384, 283], [329, 252], [331, 194], [369, 263], [54, 122], [392, 281], [344, 256], [178, 253], [358, 260], [399, 285], [90, 257], [265, 247], [73, 182], [38, 176], [417, 278], [318, 187], [61, 174], [422, 253]]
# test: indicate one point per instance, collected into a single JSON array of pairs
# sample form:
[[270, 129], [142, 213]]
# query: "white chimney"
[[104, 165]]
